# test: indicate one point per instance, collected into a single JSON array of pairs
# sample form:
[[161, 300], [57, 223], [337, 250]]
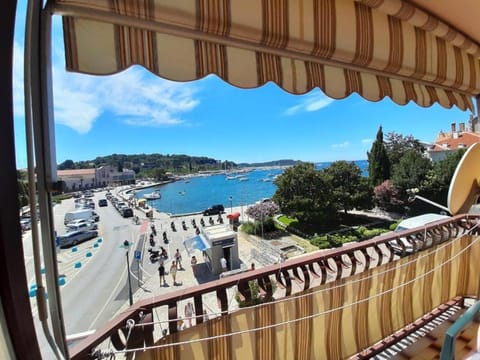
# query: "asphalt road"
[[97, 290]]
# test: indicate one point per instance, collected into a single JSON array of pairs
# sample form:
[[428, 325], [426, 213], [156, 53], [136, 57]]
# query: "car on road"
[[75, 237], [102, 202], [214, 210]]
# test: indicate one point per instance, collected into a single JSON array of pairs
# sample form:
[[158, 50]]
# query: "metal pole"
[[138, 272], [262, 225], [130, 296]]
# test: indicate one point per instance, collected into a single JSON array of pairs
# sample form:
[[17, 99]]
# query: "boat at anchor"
[[153, 195]]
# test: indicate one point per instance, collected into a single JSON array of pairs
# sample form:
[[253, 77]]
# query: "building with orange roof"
[[455, 139]]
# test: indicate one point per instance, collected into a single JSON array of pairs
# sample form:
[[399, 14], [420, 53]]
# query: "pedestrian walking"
[[193, 262], [189, 313], [161, 272], [173, 272], [178, 259]]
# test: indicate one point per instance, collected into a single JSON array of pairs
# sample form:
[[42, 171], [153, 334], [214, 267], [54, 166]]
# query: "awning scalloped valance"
[[376, 48]]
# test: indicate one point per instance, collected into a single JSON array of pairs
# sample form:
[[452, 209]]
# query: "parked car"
[[120, 205], [214, 210], [102, 202], [79, 214], [81, 225], [75, 237], [412, 223], [25, 224], [127, 212]]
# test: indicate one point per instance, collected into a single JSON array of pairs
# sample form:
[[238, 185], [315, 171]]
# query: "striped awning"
[[376, 48]]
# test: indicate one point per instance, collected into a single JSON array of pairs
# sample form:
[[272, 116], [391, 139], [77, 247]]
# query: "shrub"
[[255, 293], [361, 230], [393, 226]]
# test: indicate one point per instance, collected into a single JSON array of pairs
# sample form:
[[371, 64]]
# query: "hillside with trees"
[[147, 164]]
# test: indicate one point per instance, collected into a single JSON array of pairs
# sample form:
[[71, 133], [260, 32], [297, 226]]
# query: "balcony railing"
[[292, 277]]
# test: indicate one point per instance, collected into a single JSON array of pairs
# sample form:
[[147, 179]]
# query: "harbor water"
[[195, 194]]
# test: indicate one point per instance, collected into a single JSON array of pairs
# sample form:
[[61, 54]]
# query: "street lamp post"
[[126, 245], [231, 204]]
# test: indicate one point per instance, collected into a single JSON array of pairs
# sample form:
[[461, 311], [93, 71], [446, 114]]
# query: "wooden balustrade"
[[300, 273]]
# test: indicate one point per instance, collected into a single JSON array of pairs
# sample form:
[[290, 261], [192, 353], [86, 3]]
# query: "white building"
[[82, 179]]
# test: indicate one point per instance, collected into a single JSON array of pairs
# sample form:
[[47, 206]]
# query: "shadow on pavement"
[[204, 275]]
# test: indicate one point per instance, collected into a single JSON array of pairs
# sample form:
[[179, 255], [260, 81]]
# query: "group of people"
[[174, 267]]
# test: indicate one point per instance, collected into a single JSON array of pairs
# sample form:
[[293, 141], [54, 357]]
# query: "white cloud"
[[367, 141], [341, 145], [134, 96], [312, 102]]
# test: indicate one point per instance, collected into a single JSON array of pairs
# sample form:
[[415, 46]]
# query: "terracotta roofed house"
[[456, 139], [77, 179]]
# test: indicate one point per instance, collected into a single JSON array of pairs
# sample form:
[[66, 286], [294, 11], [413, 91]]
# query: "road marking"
[[112, 295]]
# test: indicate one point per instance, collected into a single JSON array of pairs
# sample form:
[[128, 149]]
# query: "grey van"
[[75, 237]]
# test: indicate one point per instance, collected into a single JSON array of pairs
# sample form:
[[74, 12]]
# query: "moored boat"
[[153, 195]]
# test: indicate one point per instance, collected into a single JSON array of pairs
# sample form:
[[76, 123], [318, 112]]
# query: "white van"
[[81, 214], [78, 225], [412, 223]]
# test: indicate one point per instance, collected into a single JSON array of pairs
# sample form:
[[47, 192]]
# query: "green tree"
[[410, 172], [398, 144], [22, 183], [349, 189], [66, 165], [305, 194], [160, 174], [378, 162], [437, 182]]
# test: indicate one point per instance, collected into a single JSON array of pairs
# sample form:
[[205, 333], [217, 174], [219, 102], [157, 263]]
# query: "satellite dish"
[[465, 185]]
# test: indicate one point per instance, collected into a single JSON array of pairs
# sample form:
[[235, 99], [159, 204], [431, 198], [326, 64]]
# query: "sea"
[[195, 194]]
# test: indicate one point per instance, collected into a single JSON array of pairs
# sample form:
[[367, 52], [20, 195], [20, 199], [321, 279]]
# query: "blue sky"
[[136, 112]]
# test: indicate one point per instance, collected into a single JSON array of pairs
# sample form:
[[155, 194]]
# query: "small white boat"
[[233, 177], [243, 179], [153, 195]]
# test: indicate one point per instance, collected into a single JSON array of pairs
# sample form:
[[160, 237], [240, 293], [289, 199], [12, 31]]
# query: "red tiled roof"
[[76, 172], [464, 140]]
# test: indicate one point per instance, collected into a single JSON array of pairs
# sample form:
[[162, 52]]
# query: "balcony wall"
[[347, 300]]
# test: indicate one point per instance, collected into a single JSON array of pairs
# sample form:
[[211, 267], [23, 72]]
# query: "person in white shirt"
[[223, 263]]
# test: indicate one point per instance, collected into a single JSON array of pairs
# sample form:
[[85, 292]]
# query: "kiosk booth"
[[216, 242]]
